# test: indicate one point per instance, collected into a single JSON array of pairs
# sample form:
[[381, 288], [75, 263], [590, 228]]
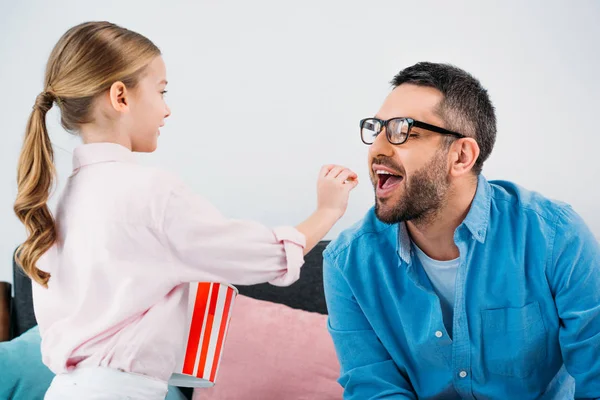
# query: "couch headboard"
[[306, 294], [22, 315]]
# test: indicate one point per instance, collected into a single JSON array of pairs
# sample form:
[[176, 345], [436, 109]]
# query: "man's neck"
[[435, 235]]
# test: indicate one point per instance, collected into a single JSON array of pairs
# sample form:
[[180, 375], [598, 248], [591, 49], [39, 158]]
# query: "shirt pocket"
[[514, 340]]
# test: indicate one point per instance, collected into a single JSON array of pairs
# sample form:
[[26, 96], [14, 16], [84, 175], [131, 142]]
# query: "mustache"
[[388, 162]]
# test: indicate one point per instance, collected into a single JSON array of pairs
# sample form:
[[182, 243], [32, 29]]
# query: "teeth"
[[380, 172]]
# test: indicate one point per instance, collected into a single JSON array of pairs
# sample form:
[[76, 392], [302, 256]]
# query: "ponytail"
[[35, 178]]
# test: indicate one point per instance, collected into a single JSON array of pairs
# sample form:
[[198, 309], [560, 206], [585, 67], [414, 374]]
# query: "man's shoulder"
[[512, 199], [365, 231]]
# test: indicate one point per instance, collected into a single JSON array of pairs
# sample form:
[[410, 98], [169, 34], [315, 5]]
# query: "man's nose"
[[381, 146]]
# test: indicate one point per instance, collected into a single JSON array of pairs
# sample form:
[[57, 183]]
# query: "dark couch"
[[306, 294]]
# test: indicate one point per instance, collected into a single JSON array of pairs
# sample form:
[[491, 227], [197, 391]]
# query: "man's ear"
[[463, 155]]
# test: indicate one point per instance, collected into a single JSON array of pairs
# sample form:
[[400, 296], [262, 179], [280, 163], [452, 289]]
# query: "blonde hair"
[[84, 63]]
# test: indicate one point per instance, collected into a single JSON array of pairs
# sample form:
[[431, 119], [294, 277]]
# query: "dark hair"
[[466, 107]]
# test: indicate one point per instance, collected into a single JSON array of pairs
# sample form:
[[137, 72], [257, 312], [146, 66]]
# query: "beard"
[[424, 197]]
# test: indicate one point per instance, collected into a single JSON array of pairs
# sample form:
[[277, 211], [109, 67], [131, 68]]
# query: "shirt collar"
[[479, 214], [476, 221], [404, 242], [95, 153]]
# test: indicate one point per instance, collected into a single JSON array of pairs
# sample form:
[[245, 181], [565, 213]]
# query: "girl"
[[111, 266]]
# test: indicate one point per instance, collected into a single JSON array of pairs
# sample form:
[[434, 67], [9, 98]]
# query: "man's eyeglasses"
[[397, 130]]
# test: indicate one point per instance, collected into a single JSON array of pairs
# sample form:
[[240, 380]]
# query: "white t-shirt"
[[442, 275]]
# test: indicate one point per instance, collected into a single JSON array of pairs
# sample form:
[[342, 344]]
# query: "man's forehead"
[[412, 101]]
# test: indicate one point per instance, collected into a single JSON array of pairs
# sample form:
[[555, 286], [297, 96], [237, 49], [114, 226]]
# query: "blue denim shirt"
[[526, 316]]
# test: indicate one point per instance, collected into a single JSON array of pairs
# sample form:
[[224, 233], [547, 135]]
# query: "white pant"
[[103, 384]]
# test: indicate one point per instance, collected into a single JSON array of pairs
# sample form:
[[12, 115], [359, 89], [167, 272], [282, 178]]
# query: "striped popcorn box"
[[209, 312]]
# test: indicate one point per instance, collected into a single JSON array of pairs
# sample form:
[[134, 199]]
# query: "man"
[[452, 286]]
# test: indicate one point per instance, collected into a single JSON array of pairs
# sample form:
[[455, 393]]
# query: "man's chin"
[[385, 213]]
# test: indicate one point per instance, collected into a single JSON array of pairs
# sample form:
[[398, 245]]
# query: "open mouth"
[[387, 181]]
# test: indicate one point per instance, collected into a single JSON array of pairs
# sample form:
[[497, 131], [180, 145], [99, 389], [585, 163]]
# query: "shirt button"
[[463, 374], [438, 334]]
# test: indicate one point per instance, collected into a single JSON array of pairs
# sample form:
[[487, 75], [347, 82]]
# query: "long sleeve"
[[209, 247], [575, 280]]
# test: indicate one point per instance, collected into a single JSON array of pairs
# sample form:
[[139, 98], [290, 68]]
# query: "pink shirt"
[[130, 237]]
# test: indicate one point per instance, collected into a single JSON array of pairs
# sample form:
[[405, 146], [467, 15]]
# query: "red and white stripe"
[[208, 315]]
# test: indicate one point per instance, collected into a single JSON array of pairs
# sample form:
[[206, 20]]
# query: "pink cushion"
[[275, 352]]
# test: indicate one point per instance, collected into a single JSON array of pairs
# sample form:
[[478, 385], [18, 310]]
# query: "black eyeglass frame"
[[411, 123]]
